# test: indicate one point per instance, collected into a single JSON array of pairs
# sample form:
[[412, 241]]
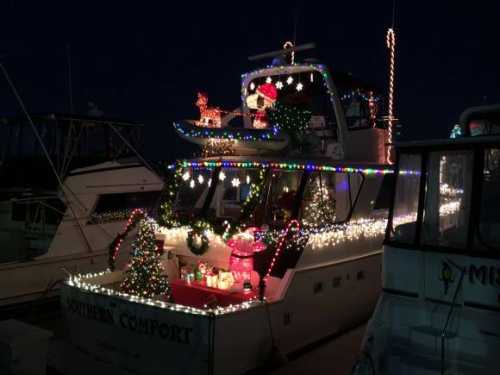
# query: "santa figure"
[[243, 247], [264, 98]]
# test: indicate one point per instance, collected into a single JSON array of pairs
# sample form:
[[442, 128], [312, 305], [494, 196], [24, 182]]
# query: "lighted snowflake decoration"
[[235, 182], [186, 176], [268, 80], [191, 184], [200, 179], [279, 85], [289, 80], [222, 176], [300, 86], [248, 179]]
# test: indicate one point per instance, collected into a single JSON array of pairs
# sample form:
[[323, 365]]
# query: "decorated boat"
[[439, 310], [268, 242]]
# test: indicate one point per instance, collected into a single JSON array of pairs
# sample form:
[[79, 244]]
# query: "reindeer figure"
[[209, 117]]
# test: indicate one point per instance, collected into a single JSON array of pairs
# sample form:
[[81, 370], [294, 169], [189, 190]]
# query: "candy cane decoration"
[[391, 45], [281, 243]]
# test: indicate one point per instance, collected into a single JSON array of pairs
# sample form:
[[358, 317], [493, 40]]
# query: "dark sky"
[[144, 61]]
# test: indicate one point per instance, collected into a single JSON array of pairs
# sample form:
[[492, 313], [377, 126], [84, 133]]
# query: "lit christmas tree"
[[144, 273], [321, 206]]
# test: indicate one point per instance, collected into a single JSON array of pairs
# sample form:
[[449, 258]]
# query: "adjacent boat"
[[269, 246], [439, 310], [45, 234]]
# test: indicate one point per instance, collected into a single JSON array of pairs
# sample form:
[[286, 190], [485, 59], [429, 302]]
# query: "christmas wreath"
[[198, 232]]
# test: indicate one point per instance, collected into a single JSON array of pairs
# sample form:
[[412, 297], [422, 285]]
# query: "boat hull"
[[105, 334]]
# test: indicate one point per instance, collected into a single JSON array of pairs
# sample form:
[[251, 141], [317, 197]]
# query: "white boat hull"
[[105, 333]]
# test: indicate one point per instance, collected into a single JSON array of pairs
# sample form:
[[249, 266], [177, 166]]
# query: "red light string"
[[282, 243], [114, 248]]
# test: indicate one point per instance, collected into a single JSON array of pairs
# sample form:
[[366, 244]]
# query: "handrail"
[[452, 308]]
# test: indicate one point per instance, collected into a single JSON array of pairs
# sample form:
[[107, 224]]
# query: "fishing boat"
[[267, 249], [439, 309], [48, 230]]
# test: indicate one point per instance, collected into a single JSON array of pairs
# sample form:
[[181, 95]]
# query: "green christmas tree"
[[321, 208], [143, 276]]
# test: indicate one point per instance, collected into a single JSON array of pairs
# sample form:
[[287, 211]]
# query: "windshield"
[[281, 189], [447, 200], [318, 203], [231, 190], [406, 199], [488, 231]]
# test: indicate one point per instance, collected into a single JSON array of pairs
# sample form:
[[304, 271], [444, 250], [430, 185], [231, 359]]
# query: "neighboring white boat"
[[439, 312], [306, 264], [102, 197]]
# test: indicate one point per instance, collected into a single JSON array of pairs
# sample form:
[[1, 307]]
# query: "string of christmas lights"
[[252, 135], [144, 275], [84, 283], [289, 166]]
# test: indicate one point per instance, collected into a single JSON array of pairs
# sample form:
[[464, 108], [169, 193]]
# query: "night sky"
[[144, 61]]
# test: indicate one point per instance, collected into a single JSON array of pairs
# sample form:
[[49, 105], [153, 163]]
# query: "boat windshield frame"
[[270, 167], [476, 147]]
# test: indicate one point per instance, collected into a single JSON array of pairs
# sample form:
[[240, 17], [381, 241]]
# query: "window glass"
[[116, 207], [447, 199], [282, 189], [192, 190], [234, 189], [318, 203], [488, 231], [406, 198]]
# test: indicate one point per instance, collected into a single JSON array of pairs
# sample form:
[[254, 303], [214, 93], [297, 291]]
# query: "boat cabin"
[[441, 281]]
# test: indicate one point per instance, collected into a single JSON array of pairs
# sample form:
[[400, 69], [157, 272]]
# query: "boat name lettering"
[[484, 275], [134, 323]]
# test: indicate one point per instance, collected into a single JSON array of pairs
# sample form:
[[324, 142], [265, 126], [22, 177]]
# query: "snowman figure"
[[263, 99]]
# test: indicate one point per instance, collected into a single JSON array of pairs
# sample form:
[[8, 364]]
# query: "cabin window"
[[447, 199], [192, 190], [117, 207], [336, 281], [280, 198], [488, 230], [317, 287], [318, 204], [357, 112], [406, 198], [304, 91]]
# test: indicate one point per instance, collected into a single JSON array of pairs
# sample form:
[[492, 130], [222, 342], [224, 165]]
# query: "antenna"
[[283, 52]]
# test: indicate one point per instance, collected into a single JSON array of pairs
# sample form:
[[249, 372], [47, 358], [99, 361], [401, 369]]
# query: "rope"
[[391, 45]]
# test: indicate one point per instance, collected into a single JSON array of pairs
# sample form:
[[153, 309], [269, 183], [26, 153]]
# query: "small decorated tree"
[[143, 276], [321, 208]]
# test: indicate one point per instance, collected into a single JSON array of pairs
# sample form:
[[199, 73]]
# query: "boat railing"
[[444, 332]]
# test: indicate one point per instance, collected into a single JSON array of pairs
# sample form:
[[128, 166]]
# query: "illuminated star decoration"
[[279, 85], [268, 80], [235, 182], [289, 80], [300, 86]]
